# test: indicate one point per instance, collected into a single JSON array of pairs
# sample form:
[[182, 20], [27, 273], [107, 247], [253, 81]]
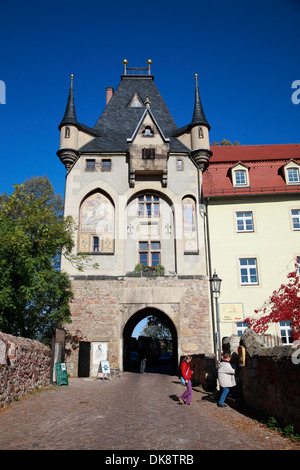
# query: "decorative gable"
[[148, 151]]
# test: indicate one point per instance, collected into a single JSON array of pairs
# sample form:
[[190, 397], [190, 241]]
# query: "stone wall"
[[102, 308], [271, 381], [24, 366]]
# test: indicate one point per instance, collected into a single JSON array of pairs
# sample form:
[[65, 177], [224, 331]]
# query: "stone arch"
[[131, 324], [156, 226]]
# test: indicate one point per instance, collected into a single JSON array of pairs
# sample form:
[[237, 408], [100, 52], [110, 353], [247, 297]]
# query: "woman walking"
[[186, 373]]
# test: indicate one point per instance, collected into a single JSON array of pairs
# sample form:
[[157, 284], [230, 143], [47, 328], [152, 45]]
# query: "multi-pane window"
[[285, 332], [149, 253], [244, 221], [293, 175], [240, 177], [241, 327], [296, 219], [148, 206], [248, 271]]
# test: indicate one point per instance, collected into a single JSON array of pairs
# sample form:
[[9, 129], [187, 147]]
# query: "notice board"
[[61, 373]]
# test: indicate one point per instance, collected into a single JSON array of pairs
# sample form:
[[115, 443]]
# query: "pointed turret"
[[198, 115], [199, 128], [70, 113], [68, 149]]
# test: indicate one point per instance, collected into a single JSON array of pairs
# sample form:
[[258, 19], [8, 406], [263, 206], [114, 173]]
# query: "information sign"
[[105, 368]]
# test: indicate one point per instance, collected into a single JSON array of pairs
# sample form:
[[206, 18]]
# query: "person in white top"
[[226, 377]]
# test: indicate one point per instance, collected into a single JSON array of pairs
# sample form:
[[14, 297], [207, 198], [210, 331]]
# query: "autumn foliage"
[[282, 305]]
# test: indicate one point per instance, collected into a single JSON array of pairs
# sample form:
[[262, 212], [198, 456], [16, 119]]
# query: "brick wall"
[[24, 366]]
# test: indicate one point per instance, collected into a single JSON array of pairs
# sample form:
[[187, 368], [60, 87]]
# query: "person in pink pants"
[[186, 373]]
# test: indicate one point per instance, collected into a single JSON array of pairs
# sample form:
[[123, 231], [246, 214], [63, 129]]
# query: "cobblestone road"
[[135, 411]]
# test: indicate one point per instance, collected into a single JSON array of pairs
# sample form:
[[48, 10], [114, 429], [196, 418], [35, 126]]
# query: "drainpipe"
[[206, 230]]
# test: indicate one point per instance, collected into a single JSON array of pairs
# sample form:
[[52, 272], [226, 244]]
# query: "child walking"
[[186, 373]]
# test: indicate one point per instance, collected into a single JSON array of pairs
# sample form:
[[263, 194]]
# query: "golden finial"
[[149, 61], [125, 61]]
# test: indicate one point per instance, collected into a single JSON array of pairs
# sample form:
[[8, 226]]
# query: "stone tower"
[[132, 186]]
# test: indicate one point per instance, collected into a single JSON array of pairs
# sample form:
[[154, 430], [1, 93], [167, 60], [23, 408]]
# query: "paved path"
[[136, 411]]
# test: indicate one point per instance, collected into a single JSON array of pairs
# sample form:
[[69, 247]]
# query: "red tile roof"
[[264, 164]]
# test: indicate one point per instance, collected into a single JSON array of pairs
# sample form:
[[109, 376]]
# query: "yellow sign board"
[[231, 313]]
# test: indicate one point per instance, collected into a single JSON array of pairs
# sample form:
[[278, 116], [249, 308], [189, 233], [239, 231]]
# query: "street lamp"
[[215, 283]]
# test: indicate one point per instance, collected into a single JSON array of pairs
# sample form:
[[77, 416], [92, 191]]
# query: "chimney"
[[109, 93]]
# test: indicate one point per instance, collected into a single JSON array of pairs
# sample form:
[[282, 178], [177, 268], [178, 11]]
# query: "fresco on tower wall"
[[96, 219], [189, 225]]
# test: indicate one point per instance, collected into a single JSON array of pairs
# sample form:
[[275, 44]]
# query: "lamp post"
[[215, 283]]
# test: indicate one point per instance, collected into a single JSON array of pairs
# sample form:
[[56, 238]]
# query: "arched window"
[[96, 224]]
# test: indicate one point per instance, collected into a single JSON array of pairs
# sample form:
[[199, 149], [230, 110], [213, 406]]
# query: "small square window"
[[90, 165], [106, 165], [148, 153]]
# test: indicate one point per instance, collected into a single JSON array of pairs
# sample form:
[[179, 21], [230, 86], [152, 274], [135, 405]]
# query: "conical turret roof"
[[198, 115], [70, 113]]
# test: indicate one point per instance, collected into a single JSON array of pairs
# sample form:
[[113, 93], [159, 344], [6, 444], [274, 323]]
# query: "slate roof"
[[265, 166], [118, 121]]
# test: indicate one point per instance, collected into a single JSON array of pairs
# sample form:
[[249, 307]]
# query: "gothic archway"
[[131, 324]]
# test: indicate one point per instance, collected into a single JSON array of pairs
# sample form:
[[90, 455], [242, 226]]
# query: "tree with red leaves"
[[282, 305]]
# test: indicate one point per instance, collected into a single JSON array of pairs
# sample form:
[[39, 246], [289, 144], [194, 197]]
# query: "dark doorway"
[[84, 359], [152, 365]]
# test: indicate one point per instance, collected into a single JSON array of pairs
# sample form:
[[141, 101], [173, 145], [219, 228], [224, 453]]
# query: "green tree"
[[155, 328], [34, 294]]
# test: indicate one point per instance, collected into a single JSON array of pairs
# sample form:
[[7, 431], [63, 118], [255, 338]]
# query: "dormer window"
[[291, 173], [240, 176]]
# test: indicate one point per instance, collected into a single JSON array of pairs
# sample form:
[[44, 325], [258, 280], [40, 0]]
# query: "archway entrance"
[[154, 350]]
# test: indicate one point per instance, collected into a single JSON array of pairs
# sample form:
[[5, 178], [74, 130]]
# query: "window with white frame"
[[296, 219], [248, 271], [240, 177], [293, 175], [285, 332], [244, 221]]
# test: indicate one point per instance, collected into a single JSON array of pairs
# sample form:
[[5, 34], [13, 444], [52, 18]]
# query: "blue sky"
[[246, 54]]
